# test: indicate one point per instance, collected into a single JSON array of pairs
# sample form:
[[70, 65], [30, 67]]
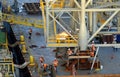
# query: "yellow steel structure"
[[53, 12], [13, 19], [58, 4], [56, 41], [9, 67], [6, 64], [100, 18]]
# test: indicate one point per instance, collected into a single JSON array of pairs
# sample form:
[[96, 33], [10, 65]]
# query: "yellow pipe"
[[44, 18]]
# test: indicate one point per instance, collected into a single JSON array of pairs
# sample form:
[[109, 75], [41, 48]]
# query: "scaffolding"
[[78, 19]]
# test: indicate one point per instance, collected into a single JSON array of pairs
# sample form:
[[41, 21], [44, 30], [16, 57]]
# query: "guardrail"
[[22, 20]]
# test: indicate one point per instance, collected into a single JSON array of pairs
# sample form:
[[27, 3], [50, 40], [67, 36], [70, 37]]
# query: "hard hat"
[[68, 48], [92, 41]]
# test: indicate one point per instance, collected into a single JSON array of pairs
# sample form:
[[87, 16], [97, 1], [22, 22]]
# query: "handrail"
[[22, 20]]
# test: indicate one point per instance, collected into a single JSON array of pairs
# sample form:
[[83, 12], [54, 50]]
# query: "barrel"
[[108, 38], [118, 38]]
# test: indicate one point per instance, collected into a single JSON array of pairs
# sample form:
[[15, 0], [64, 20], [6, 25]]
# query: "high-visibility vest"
[[45, 66], [92, 54], [55, 63], [93, 47]]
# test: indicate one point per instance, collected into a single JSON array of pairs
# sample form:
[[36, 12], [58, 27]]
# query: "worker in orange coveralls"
[[45, 67], [69, 52], [93, 49], [55, 64]]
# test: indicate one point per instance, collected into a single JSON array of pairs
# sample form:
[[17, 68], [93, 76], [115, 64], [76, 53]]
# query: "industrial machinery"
[[82, 22], [75, 23], [6, 63], [15, 7]]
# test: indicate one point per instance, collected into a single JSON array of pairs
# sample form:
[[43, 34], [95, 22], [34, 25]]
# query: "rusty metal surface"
[[32, 8]]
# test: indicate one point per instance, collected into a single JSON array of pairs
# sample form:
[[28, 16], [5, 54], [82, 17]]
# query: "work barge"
[[83, 35]]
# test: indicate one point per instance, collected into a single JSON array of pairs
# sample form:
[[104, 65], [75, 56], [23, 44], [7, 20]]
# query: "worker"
[[93, 50], [69, 52], [30, 33], [42, 60], [45, 67], [92, 54], [74, 72], [55, 64], [93, 47]]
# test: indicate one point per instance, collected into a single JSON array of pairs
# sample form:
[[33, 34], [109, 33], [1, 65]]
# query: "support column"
[[118, 25], [94, 23], [47, 20], [83, 30], [90, 21]]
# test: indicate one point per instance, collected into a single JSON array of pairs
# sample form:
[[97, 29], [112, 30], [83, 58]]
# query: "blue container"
[[118, 38]]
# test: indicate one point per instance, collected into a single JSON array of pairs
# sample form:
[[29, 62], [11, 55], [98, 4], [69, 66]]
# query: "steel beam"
[[88, 3], [51, 3], [109, 32], [77, 3], [104, 45], [87, 10], [94, 22], [102, 9], [47, 20], [102, 26], [94, 58], [62, 27], [73, 18]]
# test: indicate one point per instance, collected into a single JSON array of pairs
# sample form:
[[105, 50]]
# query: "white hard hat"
[[92, 41], [68, 48]]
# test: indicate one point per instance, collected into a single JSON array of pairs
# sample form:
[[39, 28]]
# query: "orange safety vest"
[[55, 63], [92, 54], [45, 66], [93, 47]]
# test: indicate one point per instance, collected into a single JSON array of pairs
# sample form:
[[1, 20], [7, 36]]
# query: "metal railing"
[[22, 20]]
